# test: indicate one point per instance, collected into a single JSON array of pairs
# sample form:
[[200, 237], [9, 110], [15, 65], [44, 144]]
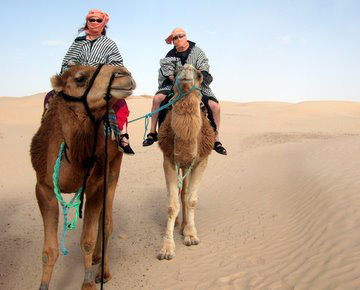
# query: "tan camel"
[[186, 139], [71, 122]]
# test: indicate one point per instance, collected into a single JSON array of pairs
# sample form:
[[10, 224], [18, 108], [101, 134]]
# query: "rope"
[[66, 206], [107, 126], [181, 178]]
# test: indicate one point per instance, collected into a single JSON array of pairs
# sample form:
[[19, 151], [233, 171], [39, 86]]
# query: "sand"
[[281, 211]]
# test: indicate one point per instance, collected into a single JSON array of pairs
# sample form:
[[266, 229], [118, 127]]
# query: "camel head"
[[76, 80], [187, 78]]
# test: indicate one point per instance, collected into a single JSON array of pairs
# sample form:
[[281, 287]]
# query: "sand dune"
[[281, 211]]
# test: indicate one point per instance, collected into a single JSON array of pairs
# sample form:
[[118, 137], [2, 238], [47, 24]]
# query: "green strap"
[[178, 174], [75, 201]]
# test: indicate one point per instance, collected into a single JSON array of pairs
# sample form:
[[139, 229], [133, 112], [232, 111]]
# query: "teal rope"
[[181, 178], [75, 201], [148, 115]]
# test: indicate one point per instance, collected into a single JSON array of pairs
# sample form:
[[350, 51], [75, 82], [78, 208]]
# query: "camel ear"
[[57, 83]]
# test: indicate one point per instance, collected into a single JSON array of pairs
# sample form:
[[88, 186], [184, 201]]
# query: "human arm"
[[202, 64], [114, 56], [72, 56], [168, 66]]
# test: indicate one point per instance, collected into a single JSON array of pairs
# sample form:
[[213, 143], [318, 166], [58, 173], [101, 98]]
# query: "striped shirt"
[[173, 60], [86, 52]]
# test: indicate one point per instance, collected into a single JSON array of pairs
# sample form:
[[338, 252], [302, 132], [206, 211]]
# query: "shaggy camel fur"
[[185, 138], [69, 122]]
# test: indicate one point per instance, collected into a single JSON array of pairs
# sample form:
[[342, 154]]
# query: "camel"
[[76, 123], [186, 139]]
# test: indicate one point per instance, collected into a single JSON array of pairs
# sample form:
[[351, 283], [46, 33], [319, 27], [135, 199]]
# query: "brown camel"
[[186, 139], [74, 123]]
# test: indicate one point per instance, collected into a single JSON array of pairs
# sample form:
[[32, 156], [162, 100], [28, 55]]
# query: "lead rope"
[[66, 206], [107, 126]]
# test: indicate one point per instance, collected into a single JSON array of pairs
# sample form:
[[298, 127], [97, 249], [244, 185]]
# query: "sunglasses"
[[95, 20], [178, 36]]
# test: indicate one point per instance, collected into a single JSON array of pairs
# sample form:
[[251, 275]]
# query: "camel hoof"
[[191, 241], [107, 277], [88, 286], [166, 255], [168, 250], [44, 287], [96, 260]]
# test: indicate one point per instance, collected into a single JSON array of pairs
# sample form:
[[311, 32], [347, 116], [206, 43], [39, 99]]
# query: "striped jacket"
[[85, 52], [173, 60]]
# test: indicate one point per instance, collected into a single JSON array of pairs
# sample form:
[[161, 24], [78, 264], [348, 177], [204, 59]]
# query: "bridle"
[[194, 87], [83, 98], [90, 162]]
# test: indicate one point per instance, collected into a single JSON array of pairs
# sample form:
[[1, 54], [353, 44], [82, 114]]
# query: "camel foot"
[[88, 286], [96, 260], [191, 240], [107, 277], [44, 286], [168, 250]]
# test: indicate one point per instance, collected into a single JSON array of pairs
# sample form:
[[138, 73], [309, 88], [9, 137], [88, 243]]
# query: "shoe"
[[124, 146], [219, 148], [151, 138]]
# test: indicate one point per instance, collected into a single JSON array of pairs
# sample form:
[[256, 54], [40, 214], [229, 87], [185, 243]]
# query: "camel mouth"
[[121, 90]]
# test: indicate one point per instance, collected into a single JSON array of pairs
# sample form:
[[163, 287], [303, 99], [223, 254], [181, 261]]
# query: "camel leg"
[[190, 233], [97, 252], [168, 249], [49, 208], [88, 236], [183, 202], [182, 209], [113, 179]]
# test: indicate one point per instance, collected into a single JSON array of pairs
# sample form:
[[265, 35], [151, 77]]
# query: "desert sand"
[[280, 211]]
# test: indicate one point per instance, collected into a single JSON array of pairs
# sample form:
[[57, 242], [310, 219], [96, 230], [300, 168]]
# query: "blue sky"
[[279, 50]]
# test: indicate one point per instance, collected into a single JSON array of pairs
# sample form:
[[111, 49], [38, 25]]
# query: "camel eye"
[[80, 79]]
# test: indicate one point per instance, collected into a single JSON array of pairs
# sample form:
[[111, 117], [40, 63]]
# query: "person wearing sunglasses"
[[184, 51], [96, 48]]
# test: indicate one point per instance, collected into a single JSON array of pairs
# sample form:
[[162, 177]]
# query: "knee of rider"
[[158, 99], [215, 107]]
